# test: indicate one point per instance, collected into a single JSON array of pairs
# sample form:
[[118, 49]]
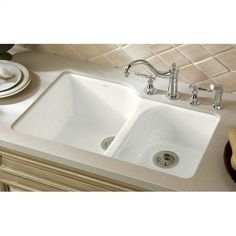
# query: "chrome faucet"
[[172, 74]]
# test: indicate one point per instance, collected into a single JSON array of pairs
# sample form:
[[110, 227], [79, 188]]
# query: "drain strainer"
[[165, 159], [106, 142]]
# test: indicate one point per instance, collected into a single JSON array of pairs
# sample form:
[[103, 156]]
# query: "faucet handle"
[[150, 89], [193, 86], [150, 77], [194, 99]]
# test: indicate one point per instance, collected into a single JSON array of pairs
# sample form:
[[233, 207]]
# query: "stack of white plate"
[[14, 77]]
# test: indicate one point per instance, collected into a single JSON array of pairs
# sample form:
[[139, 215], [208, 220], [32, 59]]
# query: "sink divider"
[[124, 131]]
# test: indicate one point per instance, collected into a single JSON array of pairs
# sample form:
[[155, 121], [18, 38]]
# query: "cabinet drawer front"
[[57, 177], [27, 183], [46, 175]]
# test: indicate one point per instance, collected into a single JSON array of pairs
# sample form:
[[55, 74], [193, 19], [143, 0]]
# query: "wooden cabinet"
[[31, 174]]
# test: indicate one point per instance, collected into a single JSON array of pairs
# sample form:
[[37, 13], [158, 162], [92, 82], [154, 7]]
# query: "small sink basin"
[[166, 128], [79, 111]]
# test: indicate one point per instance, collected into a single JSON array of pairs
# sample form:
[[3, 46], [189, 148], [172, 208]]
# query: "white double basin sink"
[[89, 113]]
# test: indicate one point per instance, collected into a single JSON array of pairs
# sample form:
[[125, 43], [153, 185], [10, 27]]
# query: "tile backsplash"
[[197, 62]]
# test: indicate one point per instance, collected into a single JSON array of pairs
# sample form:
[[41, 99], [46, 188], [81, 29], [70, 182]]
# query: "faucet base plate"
[[217, 107], [171, 97], [150, 92], [195, 103]]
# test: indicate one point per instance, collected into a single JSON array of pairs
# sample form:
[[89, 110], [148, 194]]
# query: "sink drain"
[[106, 142], [165, 159]]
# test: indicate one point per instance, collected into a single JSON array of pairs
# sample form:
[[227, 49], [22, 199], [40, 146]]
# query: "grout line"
[[230, 72], [157, 55], [169, 49], [206, 59], [183, 56], [205, 49], [103, 53], [222, 64], [221, 52]]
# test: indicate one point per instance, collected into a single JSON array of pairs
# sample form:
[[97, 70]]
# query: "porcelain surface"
[[168, 128], [81, 111]]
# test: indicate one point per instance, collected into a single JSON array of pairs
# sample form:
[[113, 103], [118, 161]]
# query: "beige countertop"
[[45, 68]]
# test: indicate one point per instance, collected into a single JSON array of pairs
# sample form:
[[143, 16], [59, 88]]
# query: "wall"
[[198, 63]]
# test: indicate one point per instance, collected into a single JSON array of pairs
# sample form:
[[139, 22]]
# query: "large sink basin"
[[82, 112], [79, 111], [167, 128]]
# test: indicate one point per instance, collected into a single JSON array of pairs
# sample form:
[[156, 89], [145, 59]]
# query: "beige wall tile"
[[191, 74], [157, 48], [217, 48], [194, 52], [121, 45], [65, 50], [137, 51], [181, 79], [59, 47], [52, 48], [158, 63], [228, 81], [205, 84], [118, 58], [212, 67], [41, 47], [228, 58], [105, 47], [173, 55], [87, 51], [198, 62], [101, 60], [70, 52]]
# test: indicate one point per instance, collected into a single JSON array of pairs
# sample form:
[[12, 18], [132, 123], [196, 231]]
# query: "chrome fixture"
[[165, 159], [106, 142], [150, 89], [172, 74], [217, 104], [218, 89], [194, 99]]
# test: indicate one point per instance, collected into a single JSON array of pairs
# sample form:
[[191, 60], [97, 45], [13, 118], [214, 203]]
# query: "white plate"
[[22, 84], [11, 82]]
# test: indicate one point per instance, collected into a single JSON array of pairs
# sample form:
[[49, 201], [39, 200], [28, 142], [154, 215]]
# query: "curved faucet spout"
[[172, 74], [150, 66]]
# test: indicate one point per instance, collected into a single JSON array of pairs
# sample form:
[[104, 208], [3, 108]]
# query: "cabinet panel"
[[32, 174], [4, 187], [48, 175], [26, 183]]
